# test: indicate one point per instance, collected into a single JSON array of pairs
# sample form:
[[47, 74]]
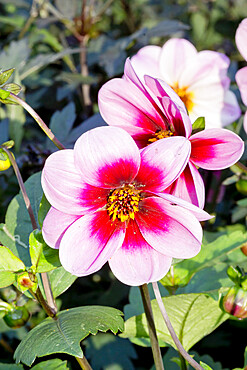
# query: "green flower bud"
[[16, 317], [235, 302]]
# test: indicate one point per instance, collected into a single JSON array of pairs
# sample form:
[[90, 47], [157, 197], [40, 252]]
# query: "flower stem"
[[83, 363], [180, 348], [151, 327], [50, 305], [39, 120]]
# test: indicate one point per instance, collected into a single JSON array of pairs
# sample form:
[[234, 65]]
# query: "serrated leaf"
[[43, 257], [13, 88], [6, 278], [193, 316], [15, 55], [198, 125], [8, 261], [14, 234], [55, 364], [5, 75], [4, 95], [64, 334]]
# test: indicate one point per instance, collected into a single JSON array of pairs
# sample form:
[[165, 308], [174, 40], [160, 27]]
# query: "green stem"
[[51, 306], [83, 363], [49, 310], [39, 120], [151, 327], [179, 346], [183, 365], [241, 166]]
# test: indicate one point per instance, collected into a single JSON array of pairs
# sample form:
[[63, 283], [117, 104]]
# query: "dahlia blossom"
[[107, 205], [199, 78], [241, 75], [154, 111]]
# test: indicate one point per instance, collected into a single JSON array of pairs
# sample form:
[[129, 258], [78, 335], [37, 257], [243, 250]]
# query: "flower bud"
[[235, 302], [4, 163], [241, 186], [25, 283], [16, 317]]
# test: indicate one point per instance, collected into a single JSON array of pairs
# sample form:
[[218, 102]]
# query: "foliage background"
[[38, 38]]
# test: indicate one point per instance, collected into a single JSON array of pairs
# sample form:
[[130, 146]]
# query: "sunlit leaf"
[[64, 334]]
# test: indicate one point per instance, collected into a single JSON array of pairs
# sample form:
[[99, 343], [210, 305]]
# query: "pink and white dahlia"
[[241, 75], [151, 111], [199, 78], [108, 205]]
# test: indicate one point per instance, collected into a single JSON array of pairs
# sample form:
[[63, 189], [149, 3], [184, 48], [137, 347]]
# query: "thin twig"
[[151, 327], [39, 120], [179, 346], [49, 306]]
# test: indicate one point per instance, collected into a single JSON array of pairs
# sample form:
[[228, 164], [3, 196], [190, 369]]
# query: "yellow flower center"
[[123, 203], [185, 95], [160, 134]]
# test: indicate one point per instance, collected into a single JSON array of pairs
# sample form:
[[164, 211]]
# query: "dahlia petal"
[[89, 242], [54, 226], [146, 62], [64, 187], [169, 229], [215, 149], [173, 107], [241, 78], [162, 162], [175, 56], [136, 262], [107, 157], [245, 122], [189, 186], [241, 37], [138, 110], [230, 111], [199, 213]]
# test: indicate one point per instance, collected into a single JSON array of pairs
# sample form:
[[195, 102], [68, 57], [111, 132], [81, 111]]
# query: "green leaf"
[[43, 210], [6, 278], [14, 234], [8, 144], [205, 366], [15, 55], [64, 334], [198, 125], [4, 94], [13, 88], [55, 364], [4, 366], [60, 280], [9, 262], [61, 123], [5, 75], [217, 251], [43, 257], [193, 316]]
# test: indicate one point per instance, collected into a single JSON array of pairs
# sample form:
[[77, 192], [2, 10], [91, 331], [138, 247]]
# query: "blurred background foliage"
[[63, 52]]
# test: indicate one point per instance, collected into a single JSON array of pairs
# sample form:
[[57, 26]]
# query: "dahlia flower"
[[199, 78], [241, 75], [154, 111], [108, 205]]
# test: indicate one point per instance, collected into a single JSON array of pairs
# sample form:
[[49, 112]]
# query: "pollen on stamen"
[[123, 203], [160, 134]]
